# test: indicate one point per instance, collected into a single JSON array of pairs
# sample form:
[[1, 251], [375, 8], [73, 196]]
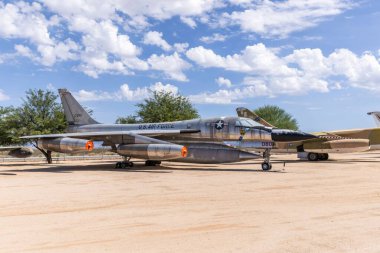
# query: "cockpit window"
[[245, 122]]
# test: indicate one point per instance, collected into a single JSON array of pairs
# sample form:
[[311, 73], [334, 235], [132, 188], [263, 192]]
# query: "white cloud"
[[300, 72], [125, 93], [189, 21], [62, 51], [155, 38], [240, 2], [221, 81], [280, 18], [230, 96], [105, 49], [145, 92], [172, 65], [3, 96], [216, 37], [94, 34], [24, 20], [205, 57], [24, 51], [94, 95], [166, 9], [181, 47], [160, 10], [257, 58]]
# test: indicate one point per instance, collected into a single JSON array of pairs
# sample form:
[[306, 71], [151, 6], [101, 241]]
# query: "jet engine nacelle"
[[337, 146], [23, 152], [214, 153], [159, 152], [66, 145]]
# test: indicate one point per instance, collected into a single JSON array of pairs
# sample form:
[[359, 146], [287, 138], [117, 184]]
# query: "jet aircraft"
[[319, 148], [213, 140], [18, 151]]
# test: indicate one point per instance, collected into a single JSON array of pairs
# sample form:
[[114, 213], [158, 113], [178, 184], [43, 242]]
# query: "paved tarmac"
[[88, 206]]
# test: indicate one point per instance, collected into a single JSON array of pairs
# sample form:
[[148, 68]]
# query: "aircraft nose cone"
[[285, 135]]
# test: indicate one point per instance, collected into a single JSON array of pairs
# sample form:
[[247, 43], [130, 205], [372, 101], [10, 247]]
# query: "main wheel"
[[324, 157], [152, 163], [312, 157], [266, 166]]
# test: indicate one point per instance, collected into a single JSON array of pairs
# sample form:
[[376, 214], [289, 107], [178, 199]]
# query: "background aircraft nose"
[[285, 135]]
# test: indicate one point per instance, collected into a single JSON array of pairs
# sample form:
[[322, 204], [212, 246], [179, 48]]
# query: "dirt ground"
[[88, 206]]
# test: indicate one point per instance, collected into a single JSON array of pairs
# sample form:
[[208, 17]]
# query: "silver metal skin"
[[212, 140], [160, 152], [64, 145], [215, 153]]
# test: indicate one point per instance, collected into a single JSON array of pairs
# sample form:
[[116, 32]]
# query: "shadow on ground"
[[56, 168]]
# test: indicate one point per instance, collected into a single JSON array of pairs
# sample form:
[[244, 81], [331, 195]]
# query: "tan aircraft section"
[[327, 142]]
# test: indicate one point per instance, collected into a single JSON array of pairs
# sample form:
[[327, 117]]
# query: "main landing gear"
[[266, 165], [152, 163], [124, 164], [318, 156]]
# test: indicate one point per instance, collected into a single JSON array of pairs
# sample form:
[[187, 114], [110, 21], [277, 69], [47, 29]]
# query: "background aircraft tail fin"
[[74, 112], [376, 116], [244, 112]]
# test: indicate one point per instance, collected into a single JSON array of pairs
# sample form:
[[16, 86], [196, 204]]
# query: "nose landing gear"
[[266, 165]]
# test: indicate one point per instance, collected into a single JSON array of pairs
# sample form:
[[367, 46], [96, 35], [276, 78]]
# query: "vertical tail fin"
[[74, 112], [244, 112], [376, 116]]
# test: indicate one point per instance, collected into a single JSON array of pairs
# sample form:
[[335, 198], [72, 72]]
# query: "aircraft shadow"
[[137, 168], [348, 161], [8, 174], [75, 168], [221, 170]]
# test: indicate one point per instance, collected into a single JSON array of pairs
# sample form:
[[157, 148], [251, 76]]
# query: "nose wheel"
[[266, 165]]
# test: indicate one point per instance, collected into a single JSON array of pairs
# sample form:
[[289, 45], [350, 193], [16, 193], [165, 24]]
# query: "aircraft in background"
[[213, 140], [319, 148], [18, 151], [376, 117]]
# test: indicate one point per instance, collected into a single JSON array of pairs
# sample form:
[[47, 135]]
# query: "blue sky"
[[319, 60]]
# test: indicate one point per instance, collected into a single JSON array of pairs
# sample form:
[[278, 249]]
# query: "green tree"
[[39, 114], [165, 106], [6, 136], [131, 119], [277, 117]]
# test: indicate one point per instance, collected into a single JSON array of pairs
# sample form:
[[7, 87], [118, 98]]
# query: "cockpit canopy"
[[247, 123]]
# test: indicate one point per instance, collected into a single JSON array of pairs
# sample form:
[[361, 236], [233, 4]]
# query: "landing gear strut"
[[266, 165], [152, 163], [124, 164]]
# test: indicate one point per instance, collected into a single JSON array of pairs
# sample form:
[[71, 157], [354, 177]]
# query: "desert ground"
[[88, 206]]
